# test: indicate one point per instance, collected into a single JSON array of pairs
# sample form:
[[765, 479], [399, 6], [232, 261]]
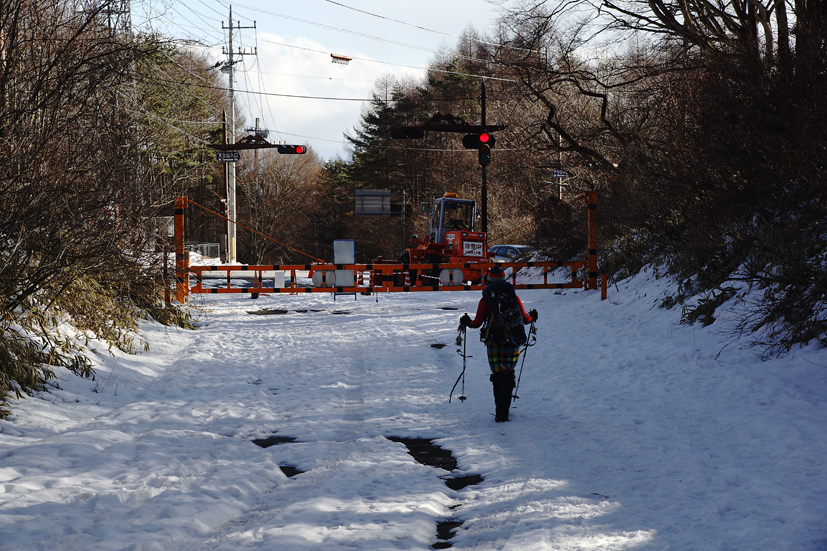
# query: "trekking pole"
[[460, 339], [532, 339]]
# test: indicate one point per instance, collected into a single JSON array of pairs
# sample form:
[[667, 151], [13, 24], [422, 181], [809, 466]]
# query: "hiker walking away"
[[501, 314]]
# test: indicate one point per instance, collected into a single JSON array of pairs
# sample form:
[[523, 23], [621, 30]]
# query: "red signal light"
[[475, 141], [291, 149]]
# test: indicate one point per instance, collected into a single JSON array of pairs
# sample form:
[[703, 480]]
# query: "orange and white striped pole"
[[182, 257], [591, 201]]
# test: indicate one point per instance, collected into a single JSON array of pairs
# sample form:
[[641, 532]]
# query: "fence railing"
[[377, 277], [369, 278]]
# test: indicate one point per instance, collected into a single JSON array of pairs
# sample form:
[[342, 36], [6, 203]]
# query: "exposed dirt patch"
[[290, 471], [444, 532], [426, 452], [460, 482], [274, 440]]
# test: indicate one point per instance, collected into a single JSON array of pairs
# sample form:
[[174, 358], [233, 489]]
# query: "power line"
[[318, 77], [197, 14], [432, 69], [212, 8], [161, 120], [262, 87], [396, 64], [294, 96], [173, 17], [373, 37], [400, 22], [421, 28], [327, 98], [337, 29]]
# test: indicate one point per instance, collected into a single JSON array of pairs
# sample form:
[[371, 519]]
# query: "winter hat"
[[496, 274]]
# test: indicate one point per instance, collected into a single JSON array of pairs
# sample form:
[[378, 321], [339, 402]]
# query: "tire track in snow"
[[354, 375]]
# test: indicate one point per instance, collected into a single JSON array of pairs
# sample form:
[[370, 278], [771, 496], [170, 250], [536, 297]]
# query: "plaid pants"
[[502, 357]]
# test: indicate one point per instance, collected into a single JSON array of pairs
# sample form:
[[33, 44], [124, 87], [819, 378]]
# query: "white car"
[[510, 253]]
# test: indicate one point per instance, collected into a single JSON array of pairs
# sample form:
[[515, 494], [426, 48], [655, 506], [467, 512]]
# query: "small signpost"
[[227, 156]]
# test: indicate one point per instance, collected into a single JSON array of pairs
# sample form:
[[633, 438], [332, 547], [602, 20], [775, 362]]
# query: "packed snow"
[[632, 431]]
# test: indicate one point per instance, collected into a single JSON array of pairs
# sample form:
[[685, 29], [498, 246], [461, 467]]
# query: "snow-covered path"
[[631, 432]]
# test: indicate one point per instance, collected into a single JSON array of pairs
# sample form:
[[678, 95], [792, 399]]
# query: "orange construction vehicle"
[[452, 238]]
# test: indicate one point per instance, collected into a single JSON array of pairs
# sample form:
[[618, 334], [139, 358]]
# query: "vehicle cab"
[[453, 224], [450, 213]]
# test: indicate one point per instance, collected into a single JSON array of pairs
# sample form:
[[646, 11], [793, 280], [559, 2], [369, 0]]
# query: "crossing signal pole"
[[228, 69], [485, 158], [476, 137]]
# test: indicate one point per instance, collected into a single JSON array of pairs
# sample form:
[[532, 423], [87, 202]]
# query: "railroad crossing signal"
[[292, 149], [482, 142], [475, 141], [485, 154], [477, 137]]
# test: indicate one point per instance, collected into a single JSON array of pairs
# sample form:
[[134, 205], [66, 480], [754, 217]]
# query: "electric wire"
[[421, 28], [198, 15], [202, 28], [376, 38], [363, 35], [318, 77], [144, 111], [262, 87], [337, 29], [191, 202], [180, 85], [210, 7], [259, 95], [304, 96], [167, 122], [431, 69]]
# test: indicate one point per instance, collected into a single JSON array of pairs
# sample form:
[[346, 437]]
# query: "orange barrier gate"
[[375, 278]]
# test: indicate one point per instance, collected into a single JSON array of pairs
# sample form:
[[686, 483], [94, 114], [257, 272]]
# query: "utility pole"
[[257, 134], [484, 187], [228, 69]]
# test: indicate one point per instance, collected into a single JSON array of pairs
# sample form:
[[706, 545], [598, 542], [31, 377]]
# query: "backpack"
[[506, 324]]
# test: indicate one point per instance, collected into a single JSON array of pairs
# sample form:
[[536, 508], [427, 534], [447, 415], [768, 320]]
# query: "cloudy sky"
[[292, 86]]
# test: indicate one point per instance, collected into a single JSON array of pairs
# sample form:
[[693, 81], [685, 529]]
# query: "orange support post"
[[591, 200], [182, 257]]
